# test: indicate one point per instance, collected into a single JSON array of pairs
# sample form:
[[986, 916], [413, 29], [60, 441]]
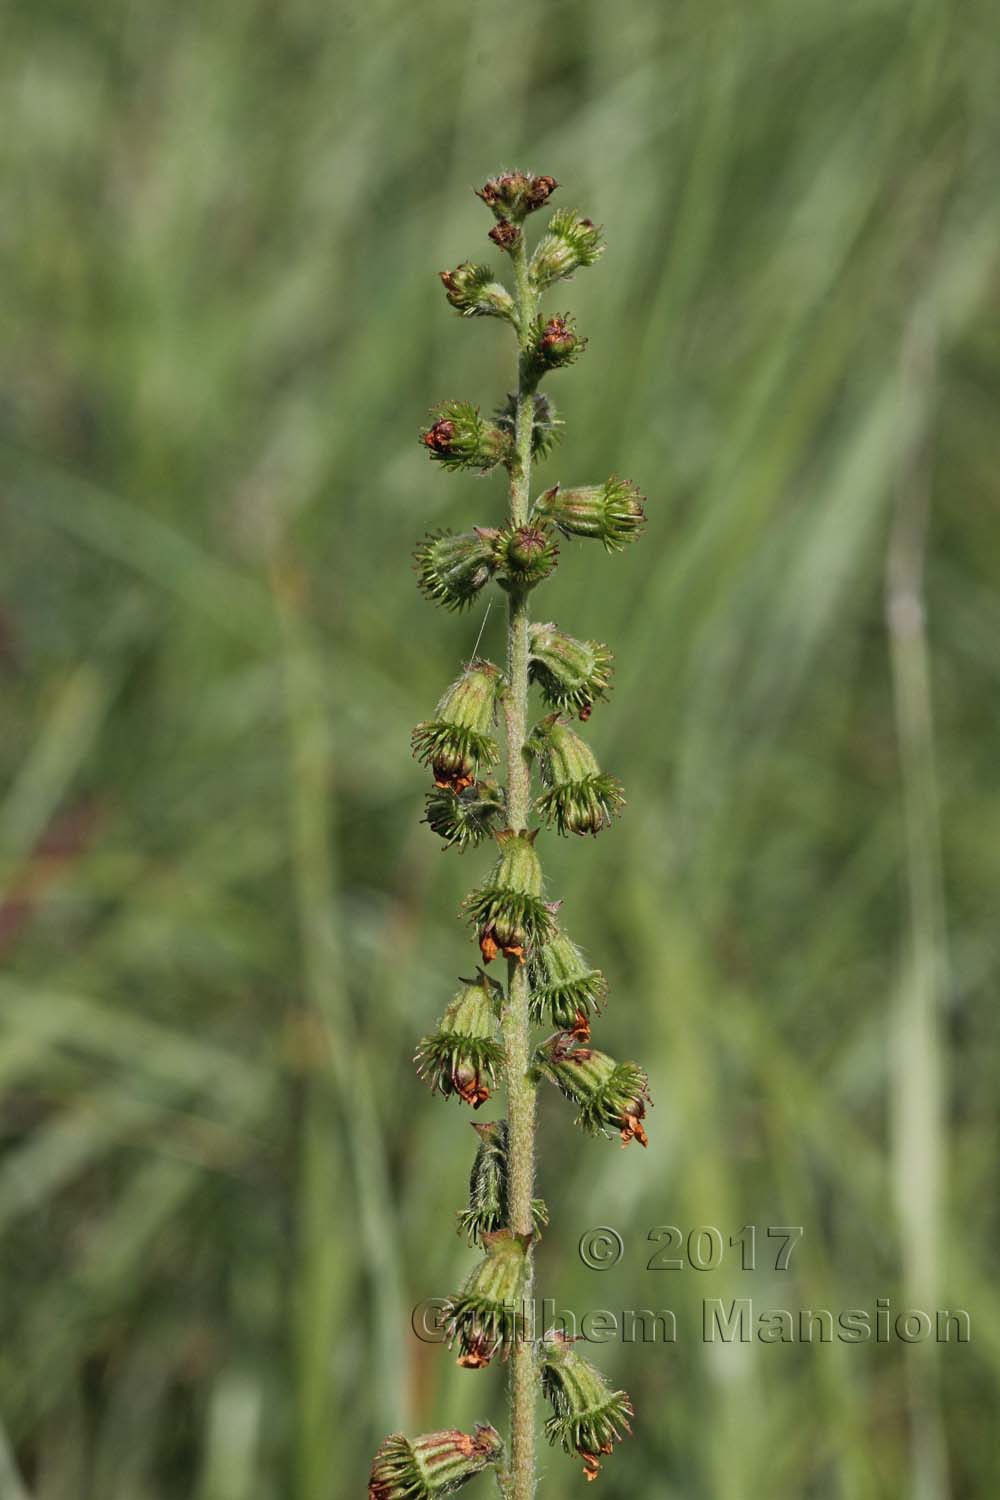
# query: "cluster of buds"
[[549, 980], [487, 1315], [489, 1205], [438, 1463], [463, 1055], [610, 1096], [588, 1417]]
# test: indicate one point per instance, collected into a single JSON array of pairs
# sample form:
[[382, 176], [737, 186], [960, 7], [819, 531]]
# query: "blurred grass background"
[[221, 1186]]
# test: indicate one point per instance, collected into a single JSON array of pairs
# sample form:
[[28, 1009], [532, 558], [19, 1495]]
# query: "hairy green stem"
[[516, 1025]]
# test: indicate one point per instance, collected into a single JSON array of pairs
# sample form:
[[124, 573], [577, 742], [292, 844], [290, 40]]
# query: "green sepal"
[[572, 675], [486, 1315], [464, 819]]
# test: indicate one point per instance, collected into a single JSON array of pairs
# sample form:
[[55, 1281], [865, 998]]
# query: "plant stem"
[[516, 1028]]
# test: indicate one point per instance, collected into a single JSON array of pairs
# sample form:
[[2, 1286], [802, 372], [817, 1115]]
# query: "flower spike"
[[438, 1463], [588, 1417], [463, 1056], [457, 742]]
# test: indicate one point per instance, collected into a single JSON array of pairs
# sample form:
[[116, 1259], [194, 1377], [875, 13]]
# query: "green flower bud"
[[555, 343], [456, 742], [438, 1463], [609, 1095], [527, 554], [580, 797], [564, 988], [545, 425], [452, 569], [460, 439], [467, 817], [508, 911], [572, 674], [474, 293], [485, 1315], [588, 1417], [513, 195], [611, 512], [489, 1208], [569, 243], [463, 1055]]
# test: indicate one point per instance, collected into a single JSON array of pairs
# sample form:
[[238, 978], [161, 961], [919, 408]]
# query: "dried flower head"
[[514, 195], [474, 292]]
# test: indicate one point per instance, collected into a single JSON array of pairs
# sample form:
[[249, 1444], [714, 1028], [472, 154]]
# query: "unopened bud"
[[489, 1205], [437, 1463], [555, 343], [611, 512], [462, 1056], [563, 985], [526, 555], [460, 439], [509, 912], [473, 291], [580, 797], [572, 674], [609, 1095], [485, 1316], [463, 819], [588, 1417], [457, 742], [569, 243], [452, 569]]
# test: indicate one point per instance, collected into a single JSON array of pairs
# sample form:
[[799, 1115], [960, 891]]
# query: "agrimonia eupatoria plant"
[[484, 1036]]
